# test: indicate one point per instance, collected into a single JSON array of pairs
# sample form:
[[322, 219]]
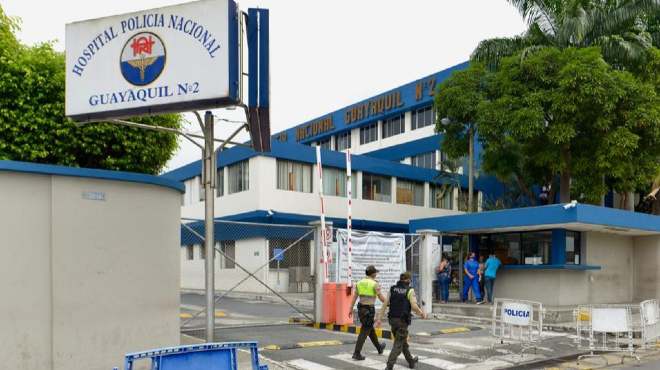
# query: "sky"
[[324, 55]]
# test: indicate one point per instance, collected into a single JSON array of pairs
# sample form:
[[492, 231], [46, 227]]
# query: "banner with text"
[[383, 250]]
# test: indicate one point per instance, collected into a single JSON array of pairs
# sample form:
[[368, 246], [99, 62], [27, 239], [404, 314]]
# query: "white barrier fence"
[[650, 316], [518, 320]]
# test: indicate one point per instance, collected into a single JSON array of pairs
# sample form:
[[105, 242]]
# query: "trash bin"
[[343, 298], [328, 313]]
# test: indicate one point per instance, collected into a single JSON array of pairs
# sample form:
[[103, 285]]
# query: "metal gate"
[[264, 274]]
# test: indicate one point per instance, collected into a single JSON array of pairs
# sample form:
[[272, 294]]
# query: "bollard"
[[343, 297]]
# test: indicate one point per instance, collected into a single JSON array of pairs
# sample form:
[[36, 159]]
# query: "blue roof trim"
[[552, 267], [225, 231], [49, 169], [330, 158], [409, 149], [545, 215]]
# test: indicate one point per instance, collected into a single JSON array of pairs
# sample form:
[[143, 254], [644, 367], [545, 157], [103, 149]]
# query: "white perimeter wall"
[[646, 264], [85, 282]]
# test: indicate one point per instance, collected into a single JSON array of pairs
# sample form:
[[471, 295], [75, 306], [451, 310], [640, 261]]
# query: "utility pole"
[[209, 237]]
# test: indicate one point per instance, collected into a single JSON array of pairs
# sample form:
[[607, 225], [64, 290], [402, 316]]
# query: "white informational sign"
[[610, 320], [383, 250], [516, 313], [174, 58]]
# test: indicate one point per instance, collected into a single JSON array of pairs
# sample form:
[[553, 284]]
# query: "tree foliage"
[[624, 29], [569, 113], [32, 123]]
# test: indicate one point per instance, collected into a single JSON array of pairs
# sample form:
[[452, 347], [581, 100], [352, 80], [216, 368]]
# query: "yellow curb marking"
[[185, 316], [344, 328], [220, 314], [319, 343], [272, 347], [454, 330]]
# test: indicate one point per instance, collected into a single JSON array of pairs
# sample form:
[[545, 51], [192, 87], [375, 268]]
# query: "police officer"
[[367, 289], [401, 301]]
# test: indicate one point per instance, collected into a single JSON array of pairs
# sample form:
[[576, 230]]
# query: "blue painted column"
[[558, 249]]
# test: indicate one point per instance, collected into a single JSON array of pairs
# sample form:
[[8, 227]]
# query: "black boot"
[[381, 348], [413, 364], [358, 357]]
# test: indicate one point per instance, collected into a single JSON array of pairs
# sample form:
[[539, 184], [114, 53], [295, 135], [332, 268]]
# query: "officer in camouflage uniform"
[[368, 290], [401, 301]]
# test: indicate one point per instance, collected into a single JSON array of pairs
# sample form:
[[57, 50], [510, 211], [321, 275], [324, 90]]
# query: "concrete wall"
[[646, 263], [250, 253], [613, 283], [86, 281]]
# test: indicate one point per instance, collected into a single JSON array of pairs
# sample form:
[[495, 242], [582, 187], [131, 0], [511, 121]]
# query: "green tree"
[[568, 114], [623, 29], [32, 123]]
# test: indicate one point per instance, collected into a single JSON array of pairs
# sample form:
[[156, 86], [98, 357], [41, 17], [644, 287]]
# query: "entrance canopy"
[[578, 217]]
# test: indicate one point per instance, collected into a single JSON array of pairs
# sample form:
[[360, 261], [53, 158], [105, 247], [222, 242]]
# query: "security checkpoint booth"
[[583, 254]]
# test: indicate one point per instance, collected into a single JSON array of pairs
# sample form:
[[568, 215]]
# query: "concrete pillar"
[[427, 195], [426, 269], [393, 190], [319, 272]]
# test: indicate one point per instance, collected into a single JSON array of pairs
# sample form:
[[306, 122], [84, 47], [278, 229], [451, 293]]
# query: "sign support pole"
[[209, 238]]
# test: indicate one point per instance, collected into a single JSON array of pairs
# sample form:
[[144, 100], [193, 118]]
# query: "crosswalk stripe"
[[369, 362], [307, 365], [444, 352], [471, 347], [442, 364]]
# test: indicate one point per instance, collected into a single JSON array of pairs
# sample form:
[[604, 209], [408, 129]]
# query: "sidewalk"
[[301, 300]]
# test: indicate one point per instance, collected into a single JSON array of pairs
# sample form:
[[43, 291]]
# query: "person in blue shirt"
[[492, 264], [470, 279]]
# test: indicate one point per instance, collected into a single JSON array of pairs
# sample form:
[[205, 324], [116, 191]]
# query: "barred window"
[[296, 256], [394, 126], [422, 117], [220, 183], [239, 177], [426, 160], [325, 143], [409, 192], [228, 256], [294, 176], [343, 141], [369, 133], [190, 255], [334, 182], [202, 194]]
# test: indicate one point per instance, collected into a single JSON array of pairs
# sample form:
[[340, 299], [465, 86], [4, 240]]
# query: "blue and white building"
[[585, 253]]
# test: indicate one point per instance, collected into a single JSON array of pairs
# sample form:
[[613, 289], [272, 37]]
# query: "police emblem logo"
[[143, 58]]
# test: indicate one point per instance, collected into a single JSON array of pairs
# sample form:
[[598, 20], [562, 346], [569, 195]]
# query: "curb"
[[380, 332], [299, 345]]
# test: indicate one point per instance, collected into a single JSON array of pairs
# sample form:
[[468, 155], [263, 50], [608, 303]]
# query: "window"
[[506, 247], [409, 192], [573, 248], [190, 253], [376, 187], [441, 196], [239, 177], [297, 255], [334, 182], [369, 133], [536, 247], [422, 118], [426, 160], [226, 259], [325, 143], [393, 126], [294, 176], [202, 193], [343, 141], [220, 183], [202, 252]]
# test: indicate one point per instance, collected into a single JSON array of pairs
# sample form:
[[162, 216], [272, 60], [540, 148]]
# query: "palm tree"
[[619, 27]]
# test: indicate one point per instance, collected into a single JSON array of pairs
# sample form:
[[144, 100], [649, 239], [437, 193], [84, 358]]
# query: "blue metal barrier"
[[211, 356]]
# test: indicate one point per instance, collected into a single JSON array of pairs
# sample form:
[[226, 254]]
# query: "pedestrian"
[[492, 265], [444, 277], [471, 280], [401, 301], [367, 290], [480, 274]]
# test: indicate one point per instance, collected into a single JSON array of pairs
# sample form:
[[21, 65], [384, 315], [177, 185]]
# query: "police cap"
[[371, 269]]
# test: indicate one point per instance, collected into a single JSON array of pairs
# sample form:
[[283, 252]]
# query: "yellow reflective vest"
[[367, 287]]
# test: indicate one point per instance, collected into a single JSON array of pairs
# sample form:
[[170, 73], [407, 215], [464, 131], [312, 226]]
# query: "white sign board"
[[516, 313], [174, 58], [385, 251], [610, 320]]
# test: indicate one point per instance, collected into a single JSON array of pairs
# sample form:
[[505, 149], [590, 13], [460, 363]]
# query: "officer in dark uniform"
[[401, 301], [367, 290]]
